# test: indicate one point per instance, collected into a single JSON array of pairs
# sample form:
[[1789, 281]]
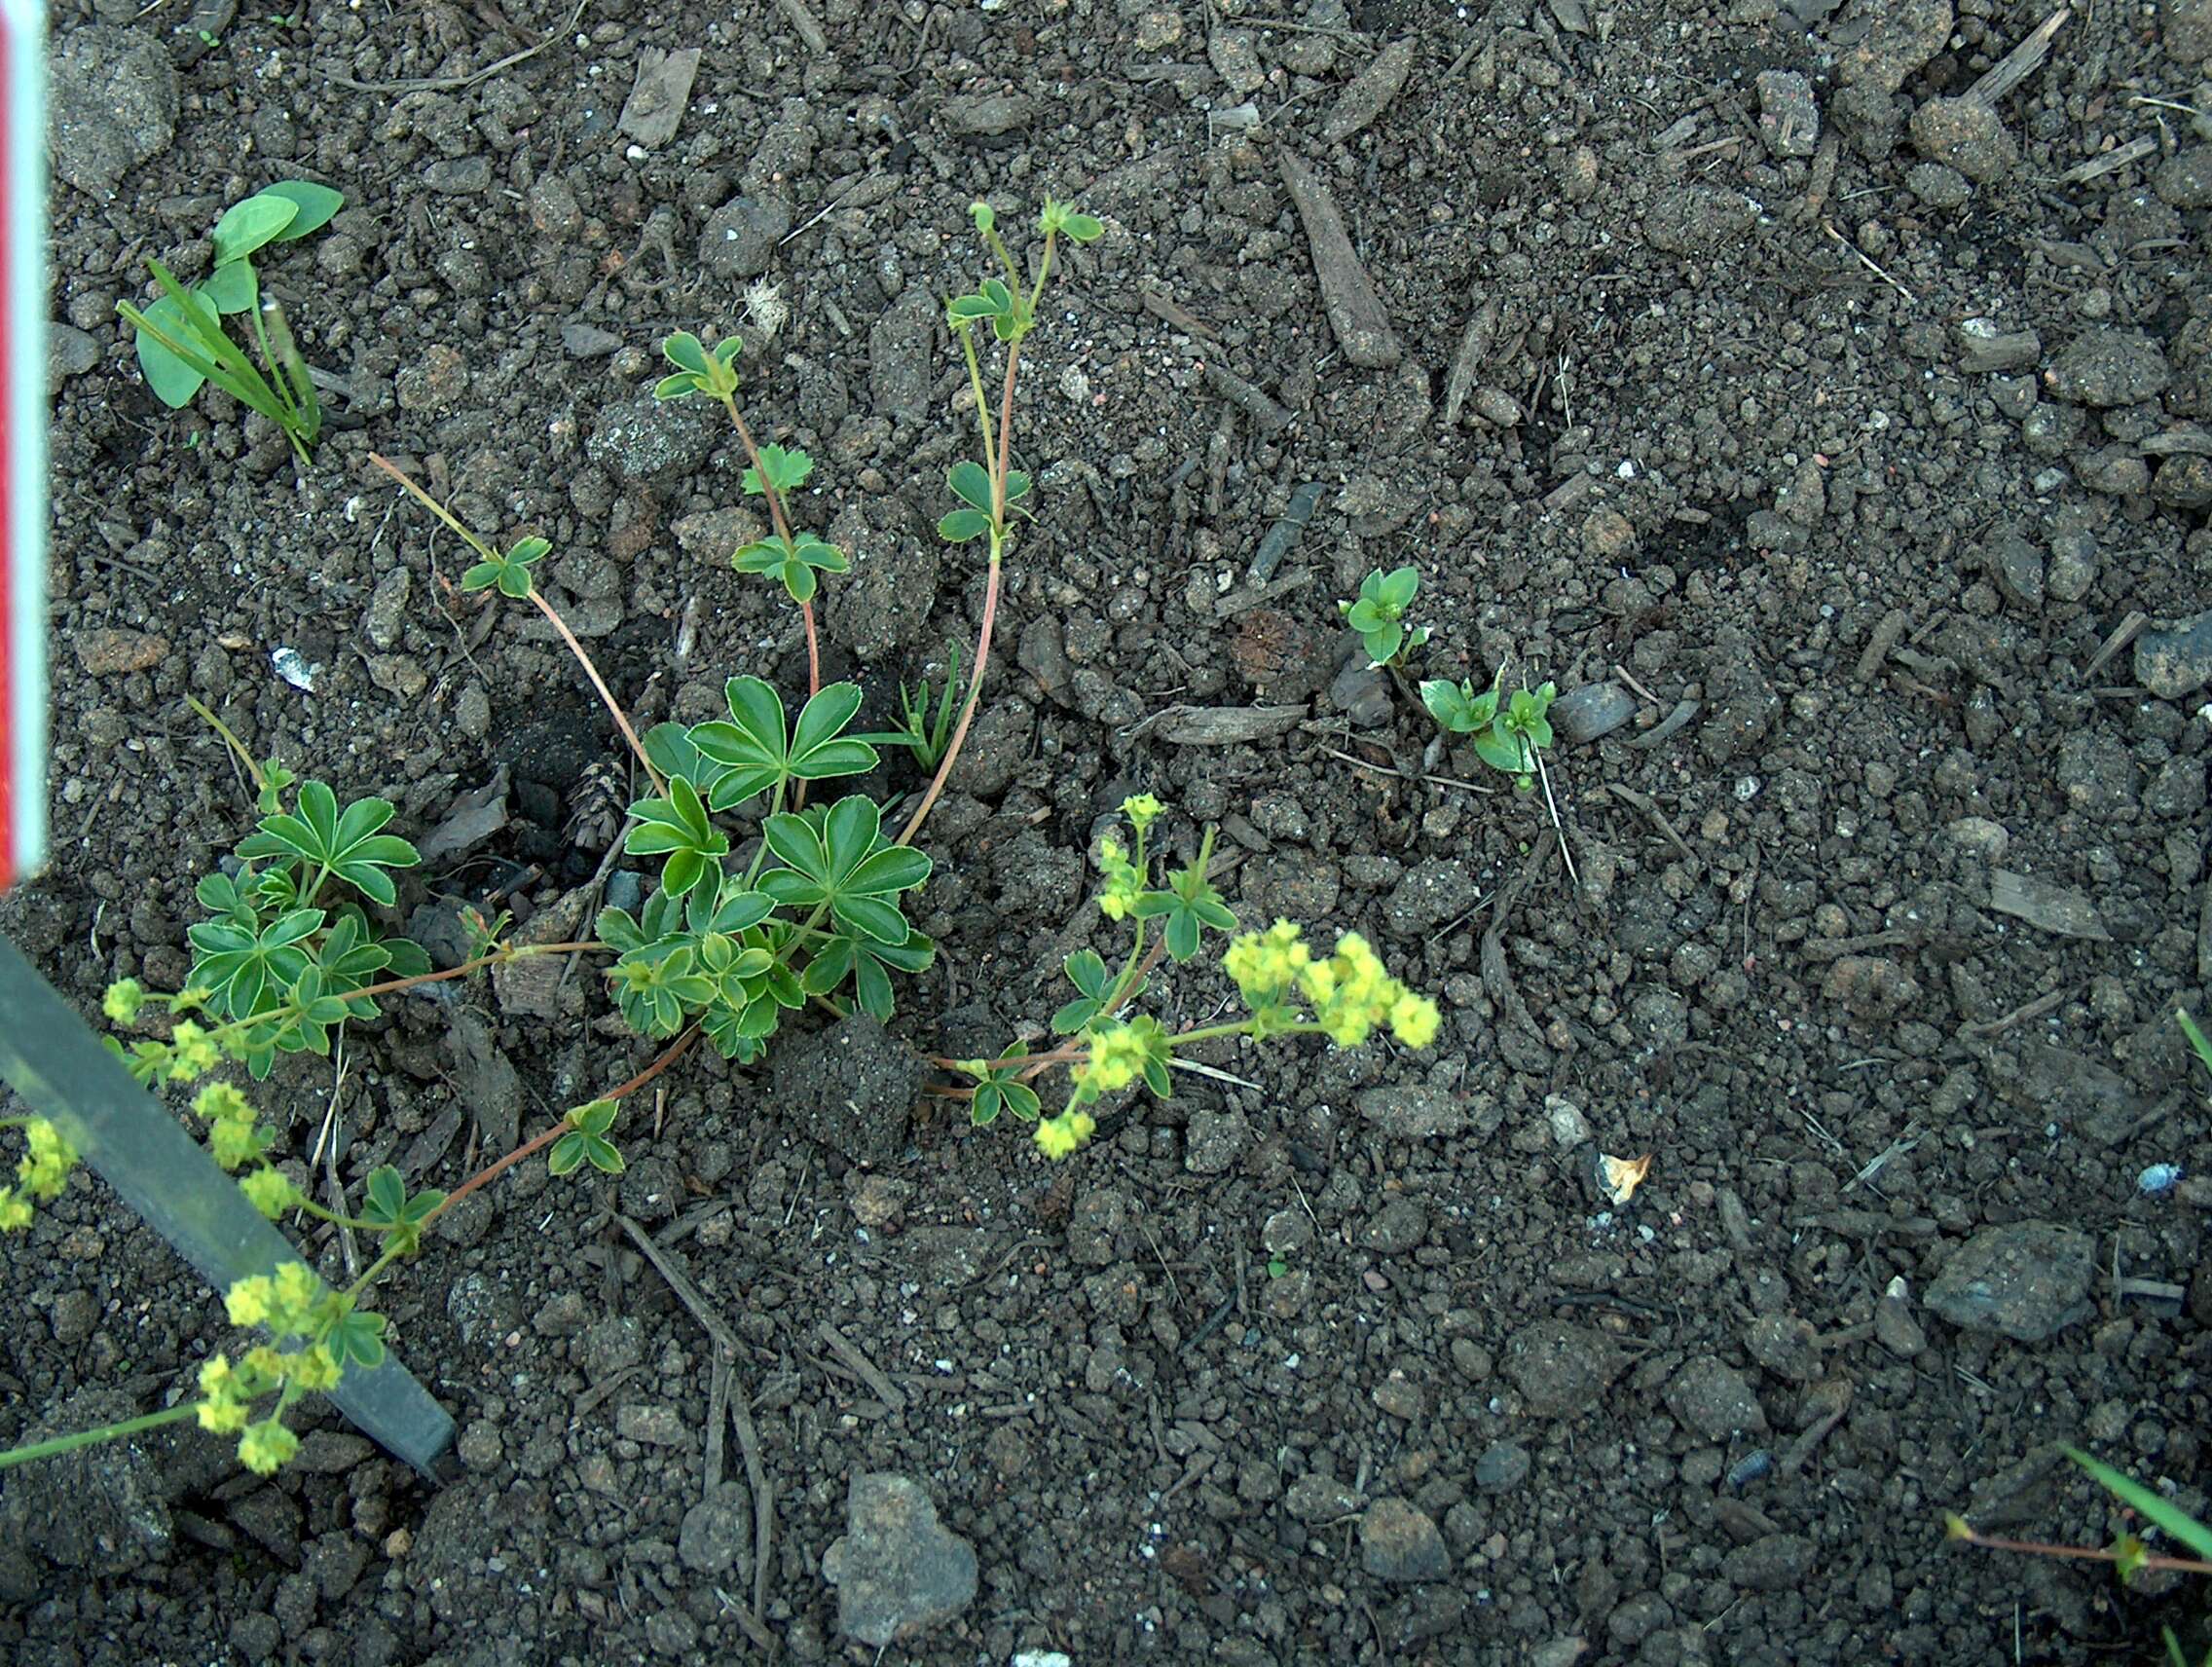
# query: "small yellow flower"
[[218, 1101], [1060, 1136], [121, 1001], [265, 1446], [314, 1368], [298, 1291], [1124, 884], [268, 1192], [222, 1417], [234, 1141], [1142, 810], [1413, 1019], [192, 1051], [15, 1211], [262, 1369], [248, 1301]]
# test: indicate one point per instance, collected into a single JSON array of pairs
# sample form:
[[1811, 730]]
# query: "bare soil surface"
[[1816, 412]]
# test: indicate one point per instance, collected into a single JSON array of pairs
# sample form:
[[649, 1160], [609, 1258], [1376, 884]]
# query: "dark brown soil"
[[1345, 1359]]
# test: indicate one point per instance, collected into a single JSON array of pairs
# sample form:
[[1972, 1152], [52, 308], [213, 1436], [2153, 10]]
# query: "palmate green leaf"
[[870, 964], [971, 482], [841, 860], [357, 1338], [677, 828], [331, 843], [245, 970], [755, 752], [963, 526], [1087, 973], [669, 750], [787, 471]]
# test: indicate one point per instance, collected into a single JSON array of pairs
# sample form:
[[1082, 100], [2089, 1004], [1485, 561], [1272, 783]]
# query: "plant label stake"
[[51, 1057], [22, 439]]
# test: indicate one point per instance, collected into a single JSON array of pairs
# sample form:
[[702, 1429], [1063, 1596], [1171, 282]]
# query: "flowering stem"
[[61, 1444]]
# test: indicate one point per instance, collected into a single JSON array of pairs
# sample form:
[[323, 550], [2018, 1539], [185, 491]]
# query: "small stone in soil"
[[1895, 1326], [1784, 1345], [1398, 1543], [851, 1087], [1561, 1369], [2178, 660], [1413, 1111], [2107, 367], [1316, 1499], [1594, 710], [899, 1572], [112, 104], [1397, 1227], [108, 651], [1502, 1465], [1967, 135], [717, 1532], [2027, 1280], [1712, 1398], [1215, 1140]]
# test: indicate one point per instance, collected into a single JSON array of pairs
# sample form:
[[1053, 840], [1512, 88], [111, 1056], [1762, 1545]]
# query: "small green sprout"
[[586, 1142], [1508, 736], [926, 734], [509, 573], [1378, 614], [181, 343]]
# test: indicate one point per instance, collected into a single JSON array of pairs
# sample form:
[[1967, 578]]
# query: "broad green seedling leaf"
[[317, 205], [247, 226], [510, 572]]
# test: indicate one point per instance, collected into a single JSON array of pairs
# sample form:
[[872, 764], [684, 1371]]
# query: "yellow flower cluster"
[[1123, 883], [1351, 993], [122, 1000], [230, 1133], [1060, 1136], [228, 1392], [285, 1301], [192, 1051], [1142, 810], [1117, 1059], [42, 1174]]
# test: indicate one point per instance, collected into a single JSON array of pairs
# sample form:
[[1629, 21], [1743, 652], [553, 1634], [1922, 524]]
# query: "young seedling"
[[989, 490], [180, 339], [1379, 616], [2129, 1555], [928, 732], [1509, 734], [1288, 989], [792, 559]]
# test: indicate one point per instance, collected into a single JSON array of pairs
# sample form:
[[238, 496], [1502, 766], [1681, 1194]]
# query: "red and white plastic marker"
[[22, 439]]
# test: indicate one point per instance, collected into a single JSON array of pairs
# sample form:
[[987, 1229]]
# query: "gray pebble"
[[1560, 1368], [717, 1532], [112, 104], [1983, 348], [1967, 135], [1698, 219], [1413, 1111], [458, 176], [1937, 186], [1502, 1465], [2176, 660], [1790, 121], [69, 351], [1397, 1227], [2027, 1280], [1214, 1141], [2184, 180], [1596, 709], [581, 341], [742, 235], [1712, 1400], [1398, 1543], [2109, 366]]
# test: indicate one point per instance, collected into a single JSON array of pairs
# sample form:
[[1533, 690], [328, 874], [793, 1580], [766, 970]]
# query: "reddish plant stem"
[[1067, 1051], [606, 696], [2085, 1553], [538, 1142], [392, 987], [990, 610], [783, 525]]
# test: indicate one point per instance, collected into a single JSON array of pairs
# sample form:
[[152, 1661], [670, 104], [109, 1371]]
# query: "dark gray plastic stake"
[[50, 1058]]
